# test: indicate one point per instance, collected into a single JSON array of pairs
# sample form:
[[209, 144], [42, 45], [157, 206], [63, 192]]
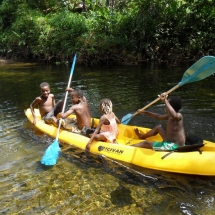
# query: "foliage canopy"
[[107, 31]]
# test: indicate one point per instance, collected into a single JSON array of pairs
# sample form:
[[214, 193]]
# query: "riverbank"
[[98, 60]]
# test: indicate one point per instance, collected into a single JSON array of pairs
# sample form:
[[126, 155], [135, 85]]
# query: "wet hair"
[[175, 102], [78, 92], [106, 106], [44, 84]]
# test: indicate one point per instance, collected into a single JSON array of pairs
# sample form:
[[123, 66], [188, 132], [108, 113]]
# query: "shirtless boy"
[[81, 109], [45, 102], [174, 135]]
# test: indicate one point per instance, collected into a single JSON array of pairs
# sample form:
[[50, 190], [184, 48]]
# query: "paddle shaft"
[[156, 100], [64, 103]]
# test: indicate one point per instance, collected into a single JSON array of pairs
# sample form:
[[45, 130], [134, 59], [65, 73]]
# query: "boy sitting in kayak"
[[46, 104], [81, 109], [107, 124], [174, 135]]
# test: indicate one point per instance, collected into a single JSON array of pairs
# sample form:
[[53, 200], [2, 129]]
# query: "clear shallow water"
[[86, 184]]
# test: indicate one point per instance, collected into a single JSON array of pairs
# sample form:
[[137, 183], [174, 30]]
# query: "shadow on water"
[[121, 196], [40, 167]]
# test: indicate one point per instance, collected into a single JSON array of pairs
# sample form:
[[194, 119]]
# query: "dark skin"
[[45, 103], [174, 128], [81, 109]]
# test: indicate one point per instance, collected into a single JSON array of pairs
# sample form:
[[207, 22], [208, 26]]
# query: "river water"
[[83, 184]]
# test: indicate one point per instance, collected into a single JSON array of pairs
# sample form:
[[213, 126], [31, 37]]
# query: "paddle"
[[198, 71], [187, 148], [52, 152]]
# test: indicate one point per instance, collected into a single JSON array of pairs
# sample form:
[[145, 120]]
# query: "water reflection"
[[84, 183]]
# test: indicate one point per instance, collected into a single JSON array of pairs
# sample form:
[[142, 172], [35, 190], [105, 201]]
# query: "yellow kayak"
[[178, 162]]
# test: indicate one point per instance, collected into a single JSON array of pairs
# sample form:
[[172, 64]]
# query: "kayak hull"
[[194, 163]]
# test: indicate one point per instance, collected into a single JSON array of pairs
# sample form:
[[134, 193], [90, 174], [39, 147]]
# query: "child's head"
[[44, 84], [76, 96], [106, 106], [175, 102], [45, 89]]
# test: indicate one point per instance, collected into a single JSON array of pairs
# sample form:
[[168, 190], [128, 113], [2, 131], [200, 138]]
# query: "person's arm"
[[84, 99], [155, 115], [151, 114], [101, 122], [170, 111], [32, 105], [67, 113], [53, 100], [117, 120]]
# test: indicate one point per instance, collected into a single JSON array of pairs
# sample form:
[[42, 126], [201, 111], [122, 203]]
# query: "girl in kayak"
[[46, 104], [174, 135], [107, 129]]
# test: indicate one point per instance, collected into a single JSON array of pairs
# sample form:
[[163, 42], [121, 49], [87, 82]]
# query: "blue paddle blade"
[[51, 154], [199, 70], [126, 118]]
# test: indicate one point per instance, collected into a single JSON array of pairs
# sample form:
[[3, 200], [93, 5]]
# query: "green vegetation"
[[107, 31]]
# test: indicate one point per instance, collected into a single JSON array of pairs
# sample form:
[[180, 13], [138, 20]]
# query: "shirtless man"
[[81, 109], [46, 104], [174, 135]]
